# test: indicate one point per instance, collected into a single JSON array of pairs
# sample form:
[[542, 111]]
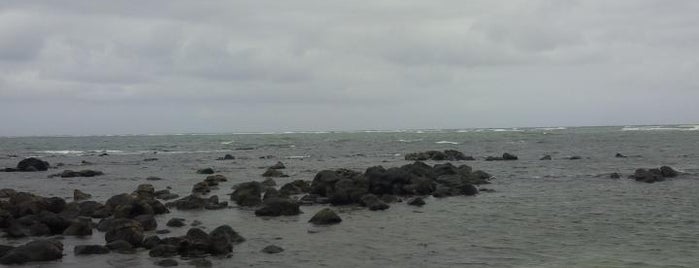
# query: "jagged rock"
[[325, 216], [79, 195], [668, 172]]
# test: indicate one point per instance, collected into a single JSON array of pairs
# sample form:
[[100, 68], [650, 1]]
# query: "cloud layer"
[[94, 67]]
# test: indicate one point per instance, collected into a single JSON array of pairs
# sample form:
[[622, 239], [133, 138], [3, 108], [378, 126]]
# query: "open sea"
[[559, 213]]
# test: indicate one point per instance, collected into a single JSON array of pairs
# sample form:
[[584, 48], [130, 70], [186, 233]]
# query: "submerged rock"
[[278, 165], [504, 157], [272, 249], [79, 195], [90, 249], [274, 173], [81, 173], [205, 171], [546, 157], [279, 207]]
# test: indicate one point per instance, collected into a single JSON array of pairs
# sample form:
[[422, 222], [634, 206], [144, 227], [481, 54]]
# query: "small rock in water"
[[325, 216], [546, 157], [205, 171], [175, 222], [615, 175], [278, 165], [163, 231], [196, 223], [619, 155], [200, 263], [153, 178], [575, 157], [274, 173], [272, 249]]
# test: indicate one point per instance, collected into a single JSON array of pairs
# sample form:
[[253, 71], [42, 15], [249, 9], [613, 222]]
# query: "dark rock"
[[121, 246], [205, 171], [32, 164], [82, 226], [226, 157], [130, 231], [248, 194], [575, 157], [189, 202], [198, 243], [200, 262], [274, 173], [151, 242], [278, 165], [201, 188], [195, 223], [166, 263], [508, 156], [546, 157], [7, 193], [79, 195], [145, 189], [90, 249], [668, 172], [214, 180], [165, 195], [615, 175], [163, 231], [4, 249], [37, 250], [147, 222], [619, 155], [373, 202], [295, 187], [164, 250], [325, 216], [272, 249], [81, 173], [228, 232], [279, 207], [269, 182], [150, 159], [648, 175], [175, 222], [153, 178], [272, 193], [417, 201]]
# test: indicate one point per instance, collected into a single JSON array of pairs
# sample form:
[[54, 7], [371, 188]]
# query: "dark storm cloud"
[[170, 66]]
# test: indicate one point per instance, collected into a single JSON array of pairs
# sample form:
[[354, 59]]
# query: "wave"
[[447, 142], [64, 152], [409, 140], [227, 142], [661, 128], [551, 128], [298, 157]]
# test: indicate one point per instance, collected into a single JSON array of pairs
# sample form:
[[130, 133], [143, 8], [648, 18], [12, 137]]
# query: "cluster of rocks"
[[446, 155], [29, 165], [374, 189], [210, 183], [654, 174], [196, 243], [37, 250]]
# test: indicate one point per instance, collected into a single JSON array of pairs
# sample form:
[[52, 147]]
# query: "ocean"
[[558, 213]]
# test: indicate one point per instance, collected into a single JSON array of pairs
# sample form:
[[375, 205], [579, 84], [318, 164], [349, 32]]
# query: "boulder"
[[175, 222], [164, 250], [201, 188], [121, 246], [228, 232], [188, 203], [37, 250], [32, 164], [325, 216], [648, 175], [165, 195], [82, 226], [668, 172], [269, 182], [615, 175], [147, 221], [130, 231], [248, 194], [295, 187], [279, 207], [151, 241]]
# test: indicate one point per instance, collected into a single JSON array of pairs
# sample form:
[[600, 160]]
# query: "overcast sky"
[[118, 67]]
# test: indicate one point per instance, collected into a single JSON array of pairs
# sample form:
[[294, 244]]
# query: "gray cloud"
[[176, 66]]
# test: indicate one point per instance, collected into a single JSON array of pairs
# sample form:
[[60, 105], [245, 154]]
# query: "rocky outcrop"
[[197, 243], [447, 155]]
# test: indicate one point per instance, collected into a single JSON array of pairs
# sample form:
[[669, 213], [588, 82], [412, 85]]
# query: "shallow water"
[[559, 213]]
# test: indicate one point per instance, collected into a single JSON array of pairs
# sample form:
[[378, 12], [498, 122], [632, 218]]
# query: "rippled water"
[[560, 213]]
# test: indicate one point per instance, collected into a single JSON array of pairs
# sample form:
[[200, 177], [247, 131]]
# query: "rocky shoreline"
[[127, 220]]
